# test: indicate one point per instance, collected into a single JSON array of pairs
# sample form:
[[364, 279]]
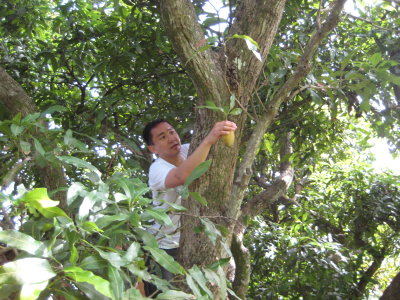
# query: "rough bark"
[[216, 76], [15, 100], [241, 256], [392, 292], [255, 206]]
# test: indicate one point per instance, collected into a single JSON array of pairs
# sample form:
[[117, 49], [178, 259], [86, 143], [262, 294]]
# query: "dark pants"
[[155, 268]]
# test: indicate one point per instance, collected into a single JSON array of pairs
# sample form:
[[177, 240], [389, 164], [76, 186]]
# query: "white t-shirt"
[[167, 236]]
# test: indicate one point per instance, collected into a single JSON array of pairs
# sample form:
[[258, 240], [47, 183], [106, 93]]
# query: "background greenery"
[[97, 71]]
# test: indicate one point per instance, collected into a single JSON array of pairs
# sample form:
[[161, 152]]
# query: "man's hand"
[[220, 129]]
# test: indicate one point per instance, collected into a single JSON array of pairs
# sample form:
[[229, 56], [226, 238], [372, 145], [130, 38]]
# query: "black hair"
[[148, 139]]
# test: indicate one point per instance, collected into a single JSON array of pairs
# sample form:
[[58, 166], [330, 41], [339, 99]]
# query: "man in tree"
[[170, 170]]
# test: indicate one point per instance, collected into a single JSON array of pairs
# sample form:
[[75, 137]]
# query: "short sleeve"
[[157, 174]]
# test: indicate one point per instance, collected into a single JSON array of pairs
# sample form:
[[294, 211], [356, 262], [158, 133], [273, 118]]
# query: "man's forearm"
[[179, 174]]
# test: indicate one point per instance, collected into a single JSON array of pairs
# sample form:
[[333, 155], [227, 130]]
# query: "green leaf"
[[252, 45], [25, 147], [174, 295], [38, 146], [214, 108], [160, 215], [107, 220], [375, 59], [236, 111], [31, 291], [79, 163], [17, 271], [79, 275], [219, 263], [193, 286], [232, 101], [132, 253], [147, 238], [24, 242], [113, 258], [39, 200], [165, 260], [198, 171], [199, 198], [16, 129], [91, 227], [198, 275], [116, 282], [210, 229]]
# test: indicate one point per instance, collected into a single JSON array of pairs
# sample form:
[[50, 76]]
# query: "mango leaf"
[[16, 129], [165, 260], [39, 200], [133, 293], [91, 227], [116, 282], [210, 229], [26, 271], [174, 295], [113, 258], [199, 198], [107, 220], [160, 215], [193, 286], [93, 263], [79, 163], [132, 252], [147, 238], [25, 147], [31, 291], [201, 280], [236, 111], [177, 207], [88, 204], [219, 263], [79, 275], [24, 242], [38, 146], [198, 171], [76, 189], [232, 100], [252, 45]]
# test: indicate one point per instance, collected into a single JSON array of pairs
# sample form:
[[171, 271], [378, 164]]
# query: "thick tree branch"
[[16, 100], [392, 292], [260, 21], [367, 276], [13, 96], [283, 94], [241, 256], [184, 31], [278, 188]]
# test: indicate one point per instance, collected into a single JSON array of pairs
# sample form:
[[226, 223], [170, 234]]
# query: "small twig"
[[11, 174], [369, 22]]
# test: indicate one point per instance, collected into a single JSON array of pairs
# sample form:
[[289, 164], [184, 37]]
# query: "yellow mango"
[[229, 139]]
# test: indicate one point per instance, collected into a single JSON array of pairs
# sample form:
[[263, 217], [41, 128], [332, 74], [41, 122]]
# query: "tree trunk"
[[392, 292], [217, 75], [15, 100]]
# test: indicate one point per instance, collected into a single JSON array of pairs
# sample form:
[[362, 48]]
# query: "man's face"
[[166, 141]]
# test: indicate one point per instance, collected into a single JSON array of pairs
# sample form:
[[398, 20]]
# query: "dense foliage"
[[97, 71]]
